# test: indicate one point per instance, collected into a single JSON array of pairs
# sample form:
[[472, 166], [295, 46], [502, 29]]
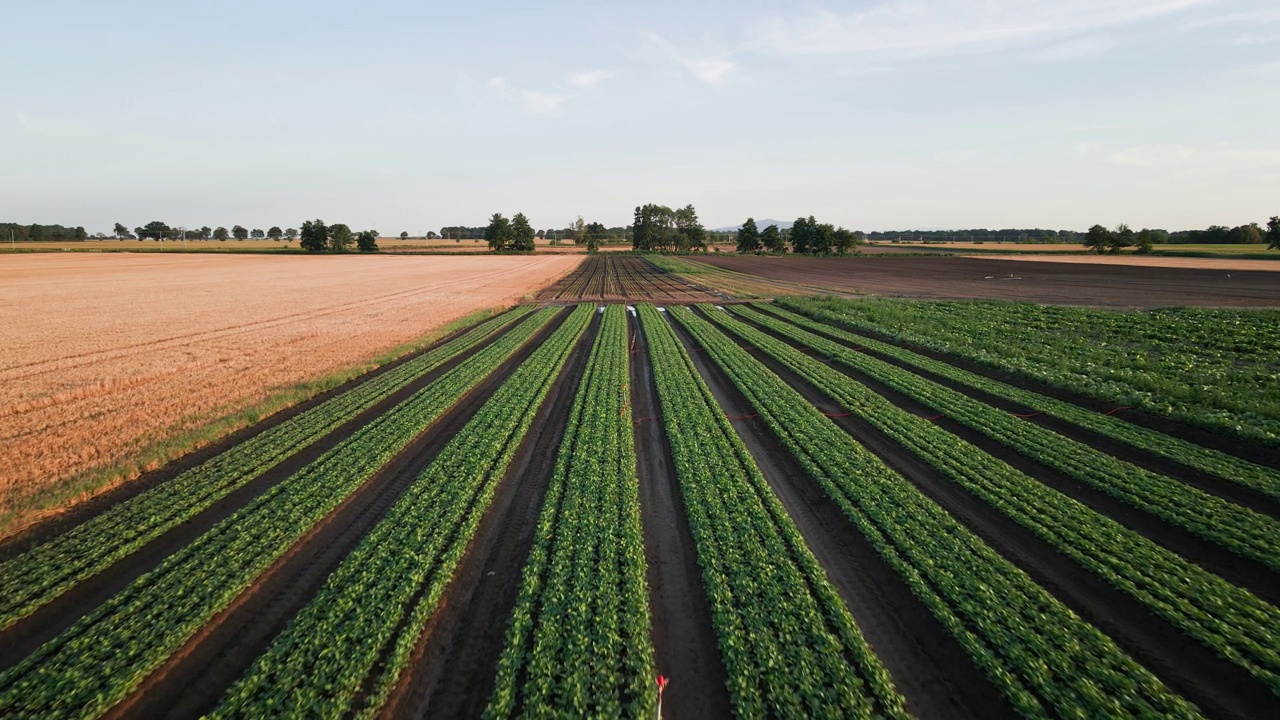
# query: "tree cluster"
[[658, 228], [459, 233], [318, 237], [807, 237], [514, 235], [41, 233], [1101, 240]]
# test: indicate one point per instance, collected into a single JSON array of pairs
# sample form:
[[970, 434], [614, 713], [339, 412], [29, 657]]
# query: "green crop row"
[[1263, 479], [1241, 530], [1229, 620], [1218, 369], [578, 644], [789, 645], [106, 654], [367, 619], [1044, 658], [32, 579]]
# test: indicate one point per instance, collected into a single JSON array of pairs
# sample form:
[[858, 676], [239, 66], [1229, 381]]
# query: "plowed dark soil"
[[624, 278], [961, 278]]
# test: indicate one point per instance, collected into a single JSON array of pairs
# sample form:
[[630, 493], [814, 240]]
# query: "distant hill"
[[760, 224]]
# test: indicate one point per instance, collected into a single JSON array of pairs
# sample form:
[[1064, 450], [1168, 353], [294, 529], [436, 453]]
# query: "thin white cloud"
[[713, 68], [1193, 160], [916, 27], [1075, 49], [588, 79], [24, 119], [1087, 148], [1248, 39], [1248, 17], [532, 101]]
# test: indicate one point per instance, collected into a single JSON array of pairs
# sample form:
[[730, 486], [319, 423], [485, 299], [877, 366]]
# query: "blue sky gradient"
[[885, 114]]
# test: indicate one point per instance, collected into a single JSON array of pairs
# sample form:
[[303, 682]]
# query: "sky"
[[874, 115]]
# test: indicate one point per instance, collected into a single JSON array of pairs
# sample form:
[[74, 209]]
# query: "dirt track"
[[1059, 283]]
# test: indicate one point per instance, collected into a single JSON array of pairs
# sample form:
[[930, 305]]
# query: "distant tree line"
[[806, 236], [41, 233], [1033, 235], [1102, 240]]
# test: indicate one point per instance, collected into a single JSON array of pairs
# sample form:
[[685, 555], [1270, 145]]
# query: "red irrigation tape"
[[637, 422], [1116, 410], [733, 418], [931, 418], [833, 415], [1024, 416]]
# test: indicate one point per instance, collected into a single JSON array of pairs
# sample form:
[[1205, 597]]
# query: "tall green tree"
[[498, 233], [239, 232], [221, 234], [1122, 238], [521, 234], [291, 233], [845, 240], [404, 234], [315, 236], [340, 238], [595, 233], [804, 235], [367, 241], [749, 237], [690, 235], [257, 234], [121, 231], [1145, 241], [1273, 233], [772, 240], [275, 232], [1098, 239]]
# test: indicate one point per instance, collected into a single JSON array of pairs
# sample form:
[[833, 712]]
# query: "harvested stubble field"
[[108, 357]]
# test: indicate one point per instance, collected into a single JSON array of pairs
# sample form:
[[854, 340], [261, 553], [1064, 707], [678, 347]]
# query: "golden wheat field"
[[106, 357]]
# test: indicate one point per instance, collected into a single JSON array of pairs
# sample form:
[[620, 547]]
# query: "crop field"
[[1073, 281], [604, 278], [115, 363], [804, 508]]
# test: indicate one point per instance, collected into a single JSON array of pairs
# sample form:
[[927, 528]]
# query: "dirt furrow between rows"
[[684, 638], [929, 668], [1217, 686], [191, 682], [452, 669], [24, 636]]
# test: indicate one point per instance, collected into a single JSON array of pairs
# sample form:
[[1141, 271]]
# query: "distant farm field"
[[112, 359]]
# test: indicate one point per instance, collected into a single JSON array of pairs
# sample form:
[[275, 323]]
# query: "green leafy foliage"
[[375, 605], [1241, 530], [578, 643], [1217, 369], [1229, 620], [1263, 479], [789, 645], [1045, 659]]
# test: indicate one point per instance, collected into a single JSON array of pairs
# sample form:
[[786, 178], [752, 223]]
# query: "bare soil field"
[[1199, 263], [1048, 281], [108, 355], [603, 278]]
